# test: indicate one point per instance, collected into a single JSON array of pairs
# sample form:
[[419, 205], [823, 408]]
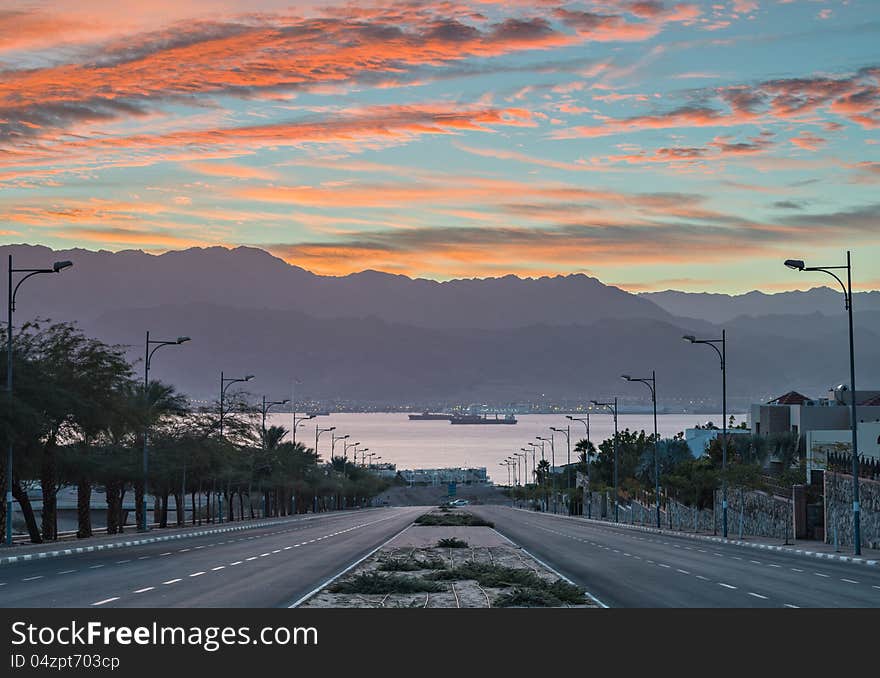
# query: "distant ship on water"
[[481, 419], [429, 416]]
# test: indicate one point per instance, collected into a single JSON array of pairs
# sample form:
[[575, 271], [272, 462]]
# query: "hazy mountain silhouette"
[[374, 337], [251, 278], [719, 308]]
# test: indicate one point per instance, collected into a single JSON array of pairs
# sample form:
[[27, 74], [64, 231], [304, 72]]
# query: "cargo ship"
[[429, 416], [481, 419]]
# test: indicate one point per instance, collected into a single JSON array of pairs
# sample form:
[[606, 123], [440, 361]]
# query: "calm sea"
[[439, 444]]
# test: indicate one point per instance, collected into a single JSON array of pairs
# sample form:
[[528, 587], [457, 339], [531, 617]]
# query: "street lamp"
[[798, 265], [546, 500], [613, 409], [508, 464], [527, 450], [157, 344], [552, 442], [333, 439], [318, 432], [57, 267], [293, 413], [226, 382], [267, 405], [567, 432], [722, 354], [651, 383]]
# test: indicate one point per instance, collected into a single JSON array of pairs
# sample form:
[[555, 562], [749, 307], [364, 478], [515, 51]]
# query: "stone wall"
[[838, 510], [763, 515]]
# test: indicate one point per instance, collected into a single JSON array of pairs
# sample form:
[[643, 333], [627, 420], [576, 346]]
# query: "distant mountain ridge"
[[252, 278], [719, 308]]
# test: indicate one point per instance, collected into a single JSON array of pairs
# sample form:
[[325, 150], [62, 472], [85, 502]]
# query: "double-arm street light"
[[318, 432], [525, 464], [508, 463], [651, 383], [148, 357], [333, 439], [526, 450], [57, 267], [552, 442], [722, 354], [612, 407], [267, 405], [798, 265], [584, 420], [226, 382], [567, 432]]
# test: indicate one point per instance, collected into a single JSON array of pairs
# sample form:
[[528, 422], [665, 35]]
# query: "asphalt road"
[[630, 568], [264, 567]]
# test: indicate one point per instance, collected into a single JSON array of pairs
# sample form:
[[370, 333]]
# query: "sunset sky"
[[651, 144]]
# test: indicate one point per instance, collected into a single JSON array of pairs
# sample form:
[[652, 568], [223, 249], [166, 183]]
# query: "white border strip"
[[552, 569], [347, 569]]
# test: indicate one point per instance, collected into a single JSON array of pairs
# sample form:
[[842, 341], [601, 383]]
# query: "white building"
[[822, 443]]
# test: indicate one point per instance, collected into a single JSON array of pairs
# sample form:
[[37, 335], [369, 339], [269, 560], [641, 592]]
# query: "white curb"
[[8, 560], [720, 540]]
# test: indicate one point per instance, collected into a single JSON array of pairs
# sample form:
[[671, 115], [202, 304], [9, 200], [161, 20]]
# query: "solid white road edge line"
[[552, 569], [347, 569]]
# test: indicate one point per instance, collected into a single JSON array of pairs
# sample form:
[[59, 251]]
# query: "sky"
[[652, 144]]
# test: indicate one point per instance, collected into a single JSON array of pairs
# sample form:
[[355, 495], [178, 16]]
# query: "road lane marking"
[[773, 565], [39, 576], [171, 581], [849, 581], [251, 558], [682, 571], [219, 567], [758, 595], [663, 565], [95, 567], [184, 550], [167, 553], [120, 562], [144, 590], [66, 571], [794, 606], [237, 562], [197, 574], [106, 600], [794, 569], [699, 576], [819, 574], [727, 586]]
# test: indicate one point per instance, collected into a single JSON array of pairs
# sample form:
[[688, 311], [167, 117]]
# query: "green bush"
[[557, 594], [452, 520], [452, 543], [410, 565], [373, 582]]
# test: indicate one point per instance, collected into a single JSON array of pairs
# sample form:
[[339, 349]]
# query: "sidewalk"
[[807, 548], [24, 552]]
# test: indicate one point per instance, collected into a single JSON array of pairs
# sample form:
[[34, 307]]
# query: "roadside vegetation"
[[78, 420], [452, 543], [452, 519]]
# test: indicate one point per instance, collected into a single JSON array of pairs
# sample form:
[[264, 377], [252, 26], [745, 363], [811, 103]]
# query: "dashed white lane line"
[[39, 576], [773, 565], [167, 553], [682, 571], [106, 600], [251, 558], [757, 595], [263, 555], [120, 562], [219, 567], [663, 565], [849, 581], [145, 589], [277, 551], [171, 581], [699, 576], [144, 558], [819, 574], [237, 562], [793, 606], [66, 572], [794, 569], [184, 550], [197, 574], [727, 586], [756, 562], [95, 567]]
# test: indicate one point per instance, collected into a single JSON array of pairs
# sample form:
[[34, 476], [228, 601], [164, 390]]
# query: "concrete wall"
[[838, 510]]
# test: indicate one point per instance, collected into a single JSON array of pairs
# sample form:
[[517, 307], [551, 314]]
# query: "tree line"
[[78, 418], [687, 479]]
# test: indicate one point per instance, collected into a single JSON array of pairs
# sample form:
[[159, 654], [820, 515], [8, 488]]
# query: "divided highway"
[[631, 568], [271, 566]]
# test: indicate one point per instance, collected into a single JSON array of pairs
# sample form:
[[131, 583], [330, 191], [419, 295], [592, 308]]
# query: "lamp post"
[[267, 405], [318, 432], [508, 464], [57, 267], [585, 421], [651, 383], [613, 409], [567, 432], [525, 464], [148, 357], [226, 382], [798, 265], [546, 498], [722, 354], [296, 419], [333, 439], [552, 442]]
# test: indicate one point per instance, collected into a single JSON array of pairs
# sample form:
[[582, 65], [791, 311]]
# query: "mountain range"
[[377, 338]]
